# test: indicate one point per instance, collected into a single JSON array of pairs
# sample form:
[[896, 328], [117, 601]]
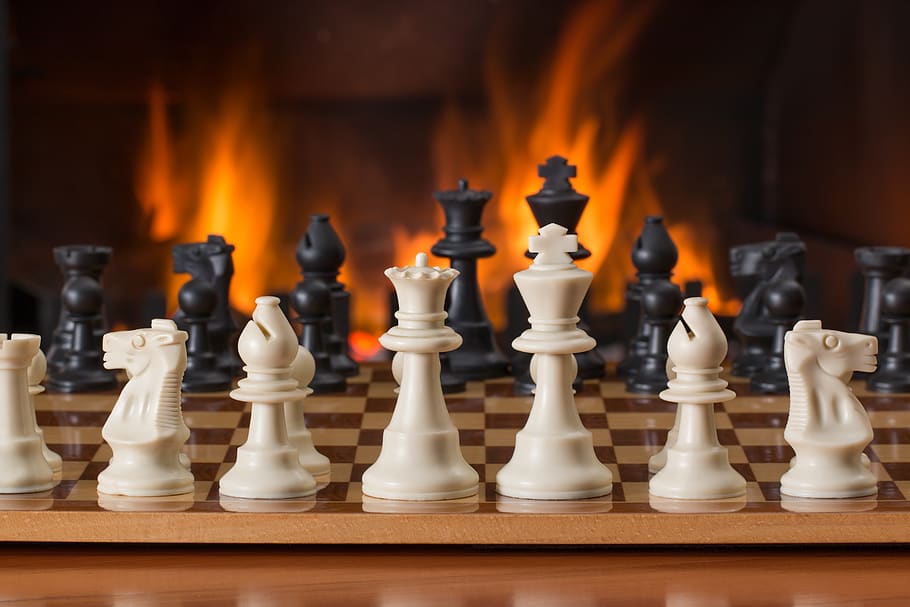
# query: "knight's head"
[[135, 350], [837, 353], [763, 259], [206, 260]]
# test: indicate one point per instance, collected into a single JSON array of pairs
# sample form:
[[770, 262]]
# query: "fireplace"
[[139, 126]]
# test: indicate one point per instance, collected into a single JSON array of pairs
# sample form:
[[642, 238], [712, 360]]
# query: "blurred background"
[[140, 125]]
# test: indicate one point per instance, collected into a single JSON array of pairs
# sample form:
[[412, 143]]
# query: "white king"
[[554, 453]]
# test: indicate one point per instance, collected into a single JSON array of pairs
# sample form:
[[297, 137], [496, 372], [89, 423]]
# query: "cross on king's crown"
[[553, 245]]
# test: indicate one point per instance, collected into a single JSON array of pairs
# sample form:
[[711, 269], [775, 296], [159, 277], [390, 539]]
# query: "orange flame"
[[226, 162], [574, 114], [156, 187]]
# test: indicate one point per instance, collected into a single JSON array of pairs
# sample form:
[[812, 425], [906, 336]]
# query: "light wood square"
[[640, 421], [205, 454], [366, 454], [72, 435], [212, 419], [507, 404], [355, 493], [334, 405], [376, 419], [499, 437], [758, 404], [75, 402], [336, 437], [589, 404], [890, 419], [72, 470], [636, 493], [635, 454], [892, 453], [474, 454], [84, 491], [769, 472], [602, 437], [382, 390], [760, 436], [340, 473], [103, 454], [468, 420]]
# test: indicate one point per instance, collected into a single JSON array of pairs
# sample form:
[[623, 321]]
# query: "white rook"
[[23, 468]]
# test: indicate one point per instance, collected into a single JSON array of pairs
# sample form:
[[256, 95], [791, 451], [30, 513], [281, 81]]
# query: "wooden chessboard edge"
[[474, 528]]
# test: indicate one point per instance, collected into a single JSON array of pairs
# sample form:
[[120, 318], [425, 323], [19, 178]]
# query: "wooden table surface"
[[143, 576]]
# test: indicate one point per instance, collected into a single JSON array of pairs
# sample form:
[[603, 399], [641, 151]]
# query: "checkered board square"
[[627, 430]]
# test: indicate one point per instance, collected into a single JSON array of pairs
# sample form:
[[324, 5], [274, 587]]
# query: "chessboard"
[[348, 428]]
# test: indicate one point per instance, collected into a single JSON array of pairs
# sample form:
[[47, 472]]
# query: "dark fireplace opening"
[[142, 125]]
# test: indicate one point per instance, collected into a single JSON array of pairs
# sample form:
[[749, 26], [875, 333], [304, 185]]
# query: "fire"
[[573, 113], [156, 186], [218, 177]]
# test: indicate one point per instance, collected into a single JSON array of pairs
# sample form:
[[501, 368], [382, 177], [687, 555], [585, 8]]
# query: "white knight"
[[145, 428], [828, 427]]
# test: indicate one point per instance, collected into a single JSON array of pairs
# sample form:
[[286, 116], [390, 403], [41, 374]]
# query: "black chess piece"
[[893, 373], [75, 261], [198, 302], [312, 301], [212, 261], [320, 255], [784, 301], [759, 265], [479, 357], [660, 302], [558, 202], [82, 369], [452, 383], [654, 256], [878, 265]]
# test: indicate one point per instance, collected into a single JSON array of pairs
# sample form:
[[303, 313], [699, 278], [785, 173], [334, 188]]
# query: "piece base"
[[386, 492], [124, 482]]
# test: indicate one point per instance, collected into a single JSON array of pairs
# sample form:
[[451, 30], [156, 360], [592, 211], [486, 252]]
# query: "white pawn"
[[268, 466], [697, 465], [828, 427], [145, 429], [23, 468], [421, 456], [303, 369], [36, 372], [554, 453], [657, 461]]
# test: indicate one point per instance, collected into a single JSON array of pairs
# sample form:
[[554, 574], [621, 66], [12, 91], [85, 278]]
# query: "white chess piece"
[[554, 453], [828, 427], [268, 466], [23, 468], [303, 369], [697, 466], [421, 457], [36, 372], [657, 461], [146, 429]]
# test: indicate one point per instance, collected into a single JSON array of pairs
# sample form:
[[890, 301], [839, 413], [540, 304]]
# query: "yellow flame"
[[573, 114], [217, 177], [156, 186]]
